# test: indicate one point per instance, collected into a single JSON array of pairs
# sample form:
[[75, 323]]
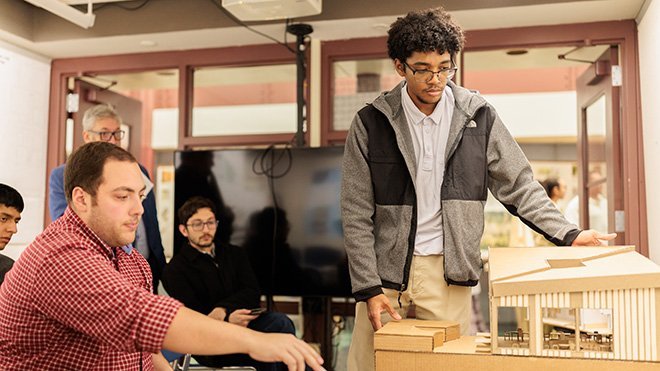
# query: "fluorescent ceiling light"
[[71, 14]]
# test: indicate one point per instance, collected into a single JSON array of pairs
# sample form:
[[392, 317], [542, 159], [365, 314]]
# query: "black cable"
[[267, 161], [271, 186], [241, 23], [122, 6], [268, 169]]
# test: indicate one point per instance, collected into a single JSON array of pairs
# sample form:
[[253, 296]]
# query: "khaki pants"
[[433, 299]]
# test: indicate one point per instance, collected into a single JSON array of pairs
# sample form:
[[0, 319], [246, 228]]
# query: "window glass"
[[356, 83], [244, 100]]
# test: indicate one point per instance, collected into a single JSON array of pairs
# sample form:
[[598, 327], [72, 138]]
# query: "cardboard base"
[[414, 335], [461, 355]]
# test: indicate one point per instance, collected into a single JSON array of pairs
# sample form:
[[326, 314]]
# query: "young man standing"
[[418, 164], [217, 280], [11, 207], [80, 297]]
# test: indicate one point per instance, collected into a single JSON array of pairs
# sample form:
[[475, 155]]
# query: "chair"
[[183, 364]]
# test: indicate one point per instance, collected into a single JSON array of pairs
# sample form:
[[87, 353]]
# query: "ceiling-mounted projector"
[[264, 10]]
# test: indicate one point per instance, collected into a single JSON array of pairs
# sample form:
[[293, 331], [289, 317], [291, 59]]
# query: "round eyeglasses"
[[427, 75], [107, 135], [199, 225]]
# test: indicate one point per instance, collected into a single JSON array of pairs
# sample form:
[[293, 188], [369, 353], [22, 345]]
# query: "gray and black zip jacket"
[[378, 199]]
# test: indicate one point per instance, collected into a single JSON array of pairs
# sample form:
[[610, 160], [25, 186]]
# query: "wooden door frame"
[[590, 89]]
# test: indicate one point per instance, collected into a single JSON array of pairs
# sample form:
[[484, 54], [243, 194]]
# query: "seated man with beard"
[[218, 281]]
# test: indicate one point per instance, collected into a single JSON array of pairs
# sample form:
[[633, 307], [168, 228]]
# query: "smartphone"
[[257, 310]]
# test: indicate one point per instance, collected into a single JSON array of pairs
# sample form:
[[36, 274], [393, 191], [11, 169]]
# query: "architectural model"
[[575, 302]]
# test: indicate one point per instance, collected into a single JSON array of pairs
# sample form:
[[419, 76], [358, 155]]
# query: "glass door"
[[599, 153]]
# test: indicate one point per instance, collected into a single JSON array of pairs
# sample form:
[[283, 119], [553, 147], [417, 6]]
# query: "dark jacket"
[[5, 265], [156, 258], [379, 202], [203, 283]]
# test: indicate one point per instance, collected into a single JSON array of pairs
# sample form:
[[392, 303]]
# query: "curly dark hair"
[[424, 31]]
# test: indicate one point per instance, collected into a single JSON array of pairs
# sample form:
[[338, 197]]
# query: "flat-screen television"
[[281, 206]]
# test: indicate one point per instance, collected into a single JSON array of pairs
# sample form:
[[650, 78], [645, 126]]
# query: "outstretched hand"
[[377, 305], [295, 353], [593, 238]]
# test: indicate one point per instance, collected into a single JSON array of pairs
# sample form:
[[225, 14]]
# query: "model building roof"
[[518, 271]]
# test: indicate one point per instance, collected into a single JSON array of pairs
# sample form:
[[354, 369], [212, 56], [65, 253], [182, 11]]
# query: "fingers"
[[290, 361], [309, 355], [605, 237], [593, 238], [298, 360], [293, 352], [298, 354], [246, 319], [600, 239], [374, 318], [375, 306], [393, 313], [241, 319]]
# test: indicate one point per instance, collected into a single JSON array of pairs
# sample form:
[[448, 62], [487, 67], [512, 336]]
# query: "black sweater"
[[203, 283]]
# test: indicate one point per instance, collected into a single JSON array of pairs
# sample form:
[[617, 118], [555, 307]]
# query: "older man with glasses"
[[102, 123]]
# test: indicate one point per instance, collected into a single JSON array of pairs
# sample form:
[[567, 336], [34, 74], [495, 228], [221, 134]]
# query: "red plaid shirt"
[[71, 302]]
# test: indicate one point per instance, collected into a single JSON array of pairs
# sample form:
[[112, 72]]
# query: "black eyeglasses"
[[199, 225], [107, 135], [427, 75]]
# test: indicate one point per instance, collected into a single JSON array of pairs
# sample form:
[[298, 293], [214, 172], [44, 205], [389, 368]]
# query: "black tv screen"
[[281, 206]]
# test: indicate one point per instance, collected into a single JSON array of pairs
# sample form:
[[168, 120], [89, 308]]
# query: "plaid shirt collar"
[[71, 219]]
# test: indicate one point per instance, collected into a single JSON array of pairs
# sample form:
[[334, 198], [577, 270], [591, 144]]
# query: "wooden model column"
[[657, 324], [576, 304], [534, 329], [494, 306]]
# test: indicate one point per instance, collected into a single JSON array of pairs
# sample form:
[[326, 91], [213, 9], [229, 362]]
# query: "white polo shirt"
[[429, 136]]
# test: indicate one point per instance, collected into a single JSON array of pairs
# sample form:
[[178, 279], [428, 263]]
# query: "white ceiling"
[[497, 15]]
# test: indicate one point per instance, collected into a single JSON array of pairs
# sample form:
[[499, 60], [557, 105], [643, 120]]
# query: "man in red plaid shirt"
[[77, 300]]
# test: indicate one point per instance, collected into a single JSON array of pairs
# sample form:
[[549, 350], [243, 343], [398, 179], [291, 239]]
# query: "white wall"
[[245, 119], [544, 114], [649, 55], [24, 84]]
